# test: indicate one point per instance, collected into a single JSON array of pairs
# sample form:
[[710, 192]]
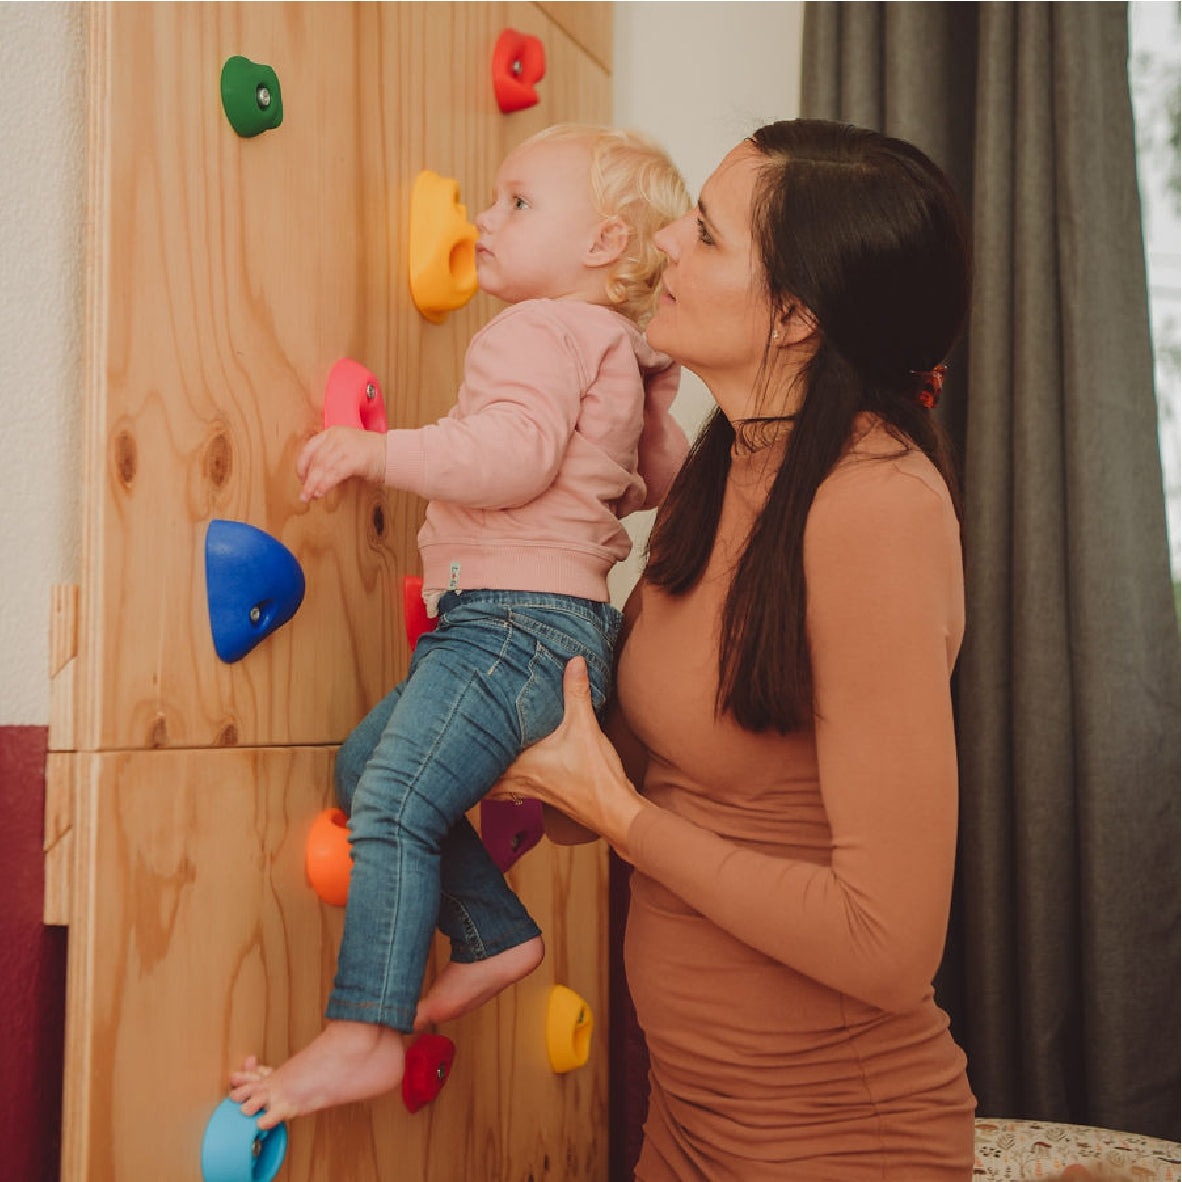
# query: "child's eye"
[[519, 203], [704, 234]]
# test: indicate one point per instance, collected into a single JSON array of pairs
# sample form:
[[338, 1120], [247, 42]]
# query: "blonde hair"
[[632, 178]]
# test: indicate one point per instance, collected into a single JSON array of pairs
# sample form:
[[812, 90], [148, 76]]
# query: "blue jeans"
[[483, 686]]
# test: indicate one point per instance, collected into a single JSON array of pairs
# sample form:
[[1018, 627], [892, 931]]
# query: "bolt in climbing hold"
[[251, 96]]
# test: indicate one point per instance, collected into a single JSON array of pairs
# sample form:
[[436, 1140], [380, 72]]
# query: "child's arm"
[[507, 438]]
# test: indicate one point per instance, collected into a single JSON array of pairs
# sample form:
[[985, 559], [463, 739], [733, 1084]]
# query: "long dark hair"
[[867, 234]]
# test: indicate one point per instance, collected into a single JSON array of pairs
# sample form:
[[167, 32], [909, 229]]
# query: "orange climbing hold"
[[327, 859]]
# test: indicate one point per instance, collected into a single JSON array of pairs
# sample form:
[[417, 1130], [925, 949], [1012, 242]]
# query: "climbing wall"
[[226, 276]]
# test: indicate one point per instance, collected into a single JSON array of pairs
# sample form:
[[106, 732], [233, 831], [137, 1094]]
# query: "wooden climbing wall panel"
[[225, 278]]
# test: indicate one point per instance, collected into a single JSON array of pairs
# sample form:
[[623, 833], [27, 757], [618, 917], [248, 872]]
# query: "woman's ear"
[[794, 325], [610, 242]]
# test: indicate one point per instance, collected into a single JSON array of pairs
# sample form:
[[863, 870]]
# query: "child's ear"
[[610, 242]]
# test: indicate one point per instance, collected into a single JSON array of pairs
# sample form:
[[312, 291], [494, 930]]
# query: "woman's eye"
[[704, 234]]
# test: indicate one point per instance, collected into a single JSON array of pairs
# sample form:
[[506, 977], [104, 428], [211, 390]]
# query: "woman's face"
[[714, 314]]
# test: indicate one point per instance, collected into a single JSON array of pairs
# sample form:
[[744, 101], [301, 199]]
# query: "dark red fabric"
[[628, 1058], [32, 970]]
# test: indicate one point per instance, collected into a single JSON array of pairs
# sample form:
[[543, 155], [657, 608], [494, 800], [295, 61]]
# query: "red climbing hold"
[[519, 61], [428, 1064]]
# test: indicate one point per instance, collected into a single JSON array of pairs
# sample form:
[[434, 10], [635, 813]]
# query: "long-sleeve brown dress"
[[791, 893]]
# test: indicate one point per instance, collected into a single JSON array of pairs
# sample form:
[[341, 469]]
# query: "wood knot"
[[158, 732], [219, 460], [227, 736], [378, 519], [126, 458]]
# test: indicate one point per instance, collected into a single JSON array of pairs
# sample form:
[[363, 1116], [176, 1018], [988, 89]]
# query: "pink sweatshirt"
[[561, 427]]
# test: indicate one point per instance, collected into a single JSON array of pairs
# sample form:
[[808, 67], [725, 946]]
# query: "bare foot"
[[347, 1061], [462, 987]]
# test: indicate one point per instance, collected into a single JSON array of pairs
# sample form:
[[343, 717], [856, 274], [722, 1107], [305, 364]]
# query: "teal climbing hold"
[[253, 584], [235, 1149], [251, 96]]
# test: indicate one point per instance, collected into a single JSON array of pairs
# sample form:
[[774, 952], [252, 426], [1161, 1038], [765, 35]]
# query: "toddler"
[[561, 427]]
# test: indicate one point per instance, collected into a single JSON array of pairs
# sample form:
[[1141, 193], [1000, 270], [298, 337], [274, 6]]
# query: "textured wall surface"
[[42, 163]]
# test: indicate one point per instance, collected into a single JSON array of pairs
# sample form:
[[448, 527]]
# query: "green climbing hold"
[[250, 96]]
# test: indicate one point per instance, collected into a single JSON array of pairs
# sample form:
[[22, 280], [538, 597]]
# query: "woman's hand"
[[576, 769], [337, 453]]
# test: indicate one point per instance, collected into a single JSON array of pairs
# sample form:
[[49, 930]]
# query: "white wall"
[[697, 76], [42, 180]]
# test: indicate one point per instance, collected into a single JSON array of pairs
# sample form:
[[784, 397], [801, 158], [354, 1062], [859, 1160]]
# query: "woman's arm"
[[884, 618]]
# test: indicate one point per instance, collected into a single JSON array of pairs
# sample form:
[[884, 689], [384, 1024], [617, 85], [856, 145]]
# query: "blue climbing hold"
[[253, 583], [235, 1149]]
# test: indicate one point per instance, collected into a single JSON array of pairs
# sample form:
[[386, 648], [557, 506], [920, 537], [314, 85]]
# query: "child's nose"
[[665, 239], [484, 220]]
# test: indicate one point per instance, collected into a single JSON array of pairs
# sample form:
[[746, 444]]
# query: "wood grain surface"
[[200, 942], [225, 277]]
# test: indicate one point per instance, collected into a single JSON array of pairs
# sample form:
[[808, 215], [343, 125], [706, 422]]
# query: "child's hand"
[[336, 454]]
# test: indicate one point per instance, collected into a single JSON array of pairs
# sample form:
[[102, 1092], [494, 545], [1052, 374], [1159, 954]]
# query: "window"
[[1154, 84]]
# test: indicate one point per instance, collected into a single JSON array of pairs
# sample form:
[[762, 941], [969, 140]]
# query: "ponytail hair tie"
[[931, 383]]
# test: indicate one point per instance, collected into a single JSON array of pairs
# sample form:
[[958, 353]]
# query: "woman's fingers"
[[576, 687]]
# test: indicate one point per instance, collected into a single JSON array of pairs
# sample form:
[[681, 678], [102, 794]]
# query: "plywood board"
[[224, 278], [587, 23], [227, 276], [205, 943]]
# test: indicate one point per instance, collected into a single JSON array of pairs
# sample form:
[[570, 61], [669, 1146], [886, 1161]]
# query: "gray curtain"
[[1062, 969]]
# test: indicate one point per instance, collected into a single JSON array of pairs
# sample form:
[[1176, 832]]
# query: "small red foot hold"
[[428, 1064]]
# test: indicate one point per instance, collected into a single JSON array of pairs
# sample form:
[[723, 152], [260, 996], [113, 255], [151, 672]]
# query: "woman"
[[786, 785]]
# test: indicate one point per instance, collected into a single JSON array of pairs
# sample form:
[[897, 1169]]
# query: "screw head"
[[371, 391], [263, 96], [255, 614], [517, 67]]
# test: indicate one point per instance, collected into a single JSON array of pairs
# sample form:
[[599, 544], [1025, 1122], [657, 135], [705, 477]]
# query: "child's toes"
[[268, 1120], [253, 1103]]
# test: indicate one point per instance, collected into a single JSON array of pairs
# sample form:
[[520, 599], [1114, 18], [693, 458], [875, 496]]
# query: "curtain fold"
[[1062, 971]]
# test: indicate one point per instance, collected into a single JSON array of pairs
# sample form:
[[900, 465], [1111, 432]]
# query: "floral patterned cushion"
[[1022, 1149]]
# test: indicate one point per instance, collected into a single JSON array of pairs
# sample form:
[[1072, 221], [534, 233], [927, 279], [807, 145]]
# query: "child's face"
[[538, 238]]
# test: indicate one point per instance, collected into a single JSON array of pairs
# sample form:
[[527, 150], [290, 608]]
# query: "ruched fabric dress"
[[790, 894]]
